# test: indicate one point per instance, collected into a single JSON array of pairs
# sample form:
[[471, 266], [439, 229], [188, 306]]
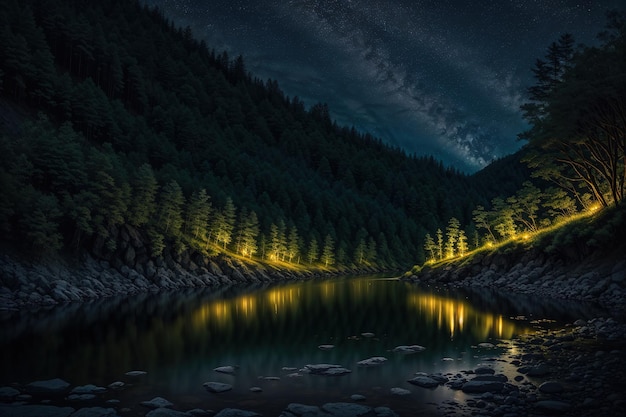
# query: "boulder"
[[235, 412], [374, 361], [48, 386], [474, 386], [424, 382], [217, 387]]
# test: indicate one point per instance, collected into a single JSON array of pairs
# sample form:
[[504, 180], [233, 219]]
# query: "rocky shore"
[[600, 279], [26, 283]]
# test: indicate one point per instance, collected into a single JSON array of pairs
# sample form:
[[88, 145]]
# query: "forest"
[[111, 115]]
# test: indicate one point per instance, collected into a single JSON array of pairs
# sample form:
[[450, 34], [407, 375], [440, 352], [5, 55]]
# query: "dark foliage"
[[140, 124]]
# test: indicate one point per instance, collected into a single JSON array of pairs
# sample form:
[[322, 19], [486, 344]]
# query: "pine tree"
[[313, 251], [462, 243], [328, 252], [198, 211], [293, 244], [439, 235], [171, 203], [452, 237], [430, 247]]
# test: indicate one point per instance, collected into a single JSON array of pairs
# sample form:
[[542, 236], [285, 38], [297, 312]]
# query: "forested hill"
[[128, 120]]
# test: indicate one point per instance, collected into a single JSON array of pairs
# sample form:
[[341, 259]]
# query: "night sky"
[[441, 78]]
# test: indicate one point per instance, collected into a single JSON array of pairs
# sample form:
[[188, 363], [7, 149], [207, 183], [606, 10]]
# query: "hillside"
[[114, 117], [583, 259]]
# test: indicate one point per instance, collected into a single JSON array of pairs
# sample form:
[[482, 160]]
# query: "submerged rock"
[[157, 402], [326, 347], [424, 382], [551, 387], [228, 369], [552, 406], [95, 412], [235, 412], [87, 389], [135, 373], [35, 411], [326, 369], [50, 385], [408, 349], [217, 387], [8, 393], [481, 386], [399, 391], [346, 409], [374, 361], [166, 412]]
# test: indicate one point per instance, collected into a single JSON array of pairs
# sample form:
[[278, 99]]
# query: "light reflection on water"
[[179, 338]]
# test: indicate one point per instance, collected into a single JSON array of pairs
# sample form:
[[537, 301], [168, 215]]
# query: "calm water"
[[179, 338]]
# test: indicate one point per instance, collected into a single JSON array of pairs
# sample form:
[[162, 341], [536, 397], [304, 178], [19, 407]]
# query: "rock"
[[374, 361], [300, 410], [116, 385], [384, 412], [552, 406], [217, 387], [199, 412], [424, 382], [399, 391], [357, 397], [235, 412], [473, 386], [256, 389], [407, 350], [95, 412], [157, 402], [225, 369], [135, 373], [8, 393], [80, 397], [486, 345], [551, 387], [326, 369], [346, 409], [166, 412], [495, 378], [35, 411], [482, 370], [326, 347], [87, 389], [368, 334], [47, 386]]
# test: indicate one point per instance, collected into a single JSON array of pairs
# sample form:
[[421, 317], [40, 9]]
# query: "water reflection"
[[455, 315], [180, 337]]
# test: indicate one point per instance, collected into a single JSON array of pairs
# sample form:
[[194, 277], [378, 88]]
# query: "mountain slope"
[[140, 124]]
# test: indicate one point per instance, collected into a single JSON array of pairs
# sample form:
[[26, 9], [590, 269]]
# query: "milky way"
[[442, 78]]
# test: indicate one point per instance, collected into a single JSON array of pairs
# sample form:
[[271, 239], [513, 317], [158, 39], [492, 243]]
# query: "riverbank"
[[26, 283]]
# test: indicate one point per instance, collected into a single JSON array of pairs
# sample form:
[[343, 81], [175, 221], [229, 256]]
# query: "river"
[[272, 331]]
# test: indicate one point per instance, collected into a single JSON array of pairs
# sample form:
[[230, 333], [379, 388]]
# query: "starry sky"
[[443, 78]]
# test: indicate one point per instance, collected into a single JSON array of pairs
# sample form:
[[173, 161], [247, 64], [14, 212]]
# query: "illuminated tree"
[[313, 251], [198, 210], [579, 119], [452, 237], [430, 247], [278, 241], [524, 206], [503, 218], [328, 252], [249, 230], [293, 244], [559, 204], [462, 243], [439, 235], [224, 223], [483, 220]]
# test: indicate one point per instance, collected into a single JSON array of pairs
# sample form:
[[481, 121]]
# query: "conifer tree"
[[328, 252], [171, 202]]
